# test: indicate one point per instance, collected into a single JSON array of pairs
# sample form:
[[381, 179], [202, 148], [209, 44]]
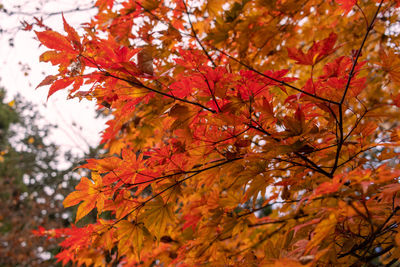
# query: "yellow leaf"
[[130, 234], [215, 6], [11, 103], [157, 215]]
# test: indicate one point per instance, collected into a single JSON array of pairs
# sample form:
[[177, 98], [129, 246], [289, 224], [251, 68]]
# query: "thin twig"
[[197, 38]]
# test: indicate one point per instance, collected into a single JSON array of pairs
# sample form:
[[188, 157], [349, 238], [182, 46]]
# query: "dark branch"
[[351, 74], [197, 38], [275, 80]]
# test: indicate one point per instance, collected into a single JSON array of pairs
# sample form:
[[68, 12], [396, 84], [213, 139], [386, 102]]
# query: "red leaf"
[[59, 84], [346, 5], [54, 40], [396, 100], [298, 55], [26, 26], [72, 34], [316, 53], [191, 221], [46, 81]]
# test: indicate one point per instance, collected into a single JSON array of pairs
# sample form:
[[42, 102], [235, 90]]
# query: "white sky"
[[77, 126]]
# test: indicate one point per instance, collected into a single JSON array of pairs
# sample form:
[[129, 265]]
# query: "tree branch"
[[197, 38], [351, 74], [275, 80], [139, 84]]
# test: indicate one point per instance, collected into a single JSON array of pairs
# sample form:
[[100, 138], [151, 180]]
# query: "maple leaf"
[[46, 81], [54, 40], [219, 149], [130, 234], [54, 57], [72, 35], [191, 221], [90, 193], [26, 26], [104, 4], [145, 61], [346, 5], [157, 215], [390, 63], [322, 231], [57, 85], [318, 51]]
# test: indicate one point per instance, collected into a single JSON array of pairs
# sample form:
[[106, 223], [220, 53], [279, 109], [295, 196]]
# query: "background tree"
[[32, 185], [243, 132], [21, 71], [33, 166]]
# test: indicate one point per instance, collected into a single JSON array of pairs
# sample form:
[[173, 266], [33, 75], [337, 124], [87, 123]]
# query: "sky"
[[21, 71]]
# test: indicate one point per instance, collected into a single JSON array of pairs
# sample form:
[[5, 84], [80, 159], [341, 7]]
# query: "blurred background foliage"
[[35, 173], [34, 179]]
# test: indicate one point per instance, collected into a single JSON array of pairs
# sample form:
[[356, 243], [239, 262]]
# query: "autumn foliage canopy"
[[243, 132]]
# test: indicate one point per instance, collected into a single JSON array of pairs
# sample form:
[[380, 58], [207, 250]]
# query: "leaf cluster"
[[243, 132]]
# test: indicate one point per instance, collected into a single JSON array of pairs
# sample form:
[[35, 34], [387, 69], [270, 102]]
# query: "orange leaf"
[[322, 231], [84, 208], [390, 62], [53, 56], [90, 193], [103, 4]]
